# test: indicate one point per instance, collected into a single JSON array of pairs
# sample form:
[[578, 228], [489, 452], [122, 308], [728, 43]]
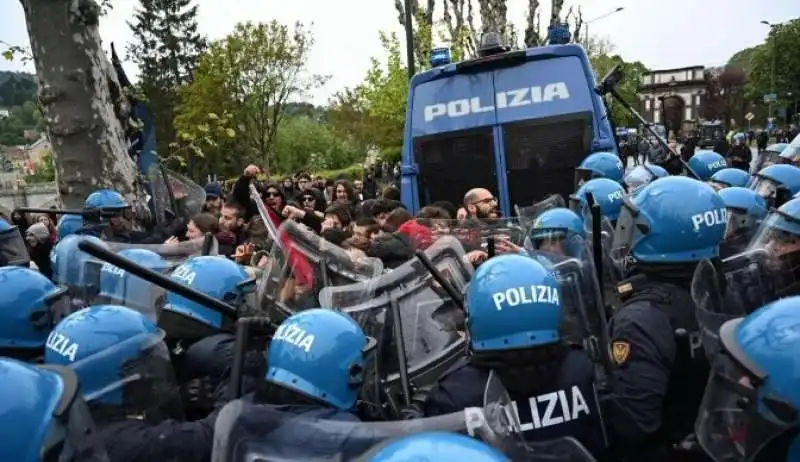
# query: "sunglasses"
[[272, 194]]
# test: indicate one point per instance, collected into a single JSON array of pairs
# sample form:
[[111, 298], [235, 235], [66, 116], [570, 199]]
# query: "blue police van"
[[514, 122]]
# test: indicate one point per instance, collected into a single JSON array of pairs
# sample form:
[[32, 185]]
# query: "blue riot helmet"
[[13, 250], [706, 163], [642, 175], [512, 302], [607, 194], [215, 276], [777, 183], [728, 177], [43, 417], [119, 357], [672, 220], [745, 212], [751, 402], [73, 268], [739, 139], [30, 305], [560, 231], [118, 287], [68, 224], [320, 354], [599, 165], [780, 231], [437, 446], [108, 200]]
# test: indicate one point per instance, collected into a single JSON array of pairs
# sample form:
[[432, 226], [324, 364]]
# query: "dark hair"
[[206, 223], [240, 211], [304, 176], [396, 219], [336, 236], [348, 188], [433, 213], [369, 223], [390, 192], [447, 206], [342, 211], [383, 206]]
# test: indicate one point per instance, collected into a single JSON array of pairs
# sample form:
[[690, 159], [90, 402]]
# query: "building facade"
[[670, 96]]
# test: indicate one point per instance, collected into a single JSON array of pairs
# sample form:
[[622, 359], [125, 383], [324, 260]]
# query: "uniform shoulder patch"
[[620, 351]]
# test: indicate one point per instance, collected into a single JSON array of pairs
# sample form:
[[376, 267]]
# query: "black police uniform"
[[569, 407], [661, 370], [133, 440]]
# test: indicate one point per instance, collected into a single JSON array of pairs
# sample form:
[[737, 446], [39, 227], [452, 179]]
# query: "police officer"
[[12, 246], [126, 378], [42, 417], [72, 268], [436, 446], [728, 177], [599, 165], [745, 212], [118, 287], [317, 365], [777, 183], [558, 231], [752, 400], [740, 155], [29, 307], [642, 175], [206, 335], [607, 195], [119, 226], [706, 163], [68, 224], [513, 317], [666, 228]]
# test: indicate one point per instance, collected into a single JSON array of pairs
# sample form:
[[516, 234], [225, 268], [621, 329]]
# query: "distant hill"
[[16, 88]]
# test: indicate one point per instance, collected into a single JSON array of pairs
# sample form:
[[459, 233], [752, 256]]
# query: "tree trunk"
[[81, 99]]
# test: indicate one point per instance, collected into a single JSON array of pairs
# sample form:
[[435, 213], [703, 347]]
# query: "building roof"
[[664, 71]]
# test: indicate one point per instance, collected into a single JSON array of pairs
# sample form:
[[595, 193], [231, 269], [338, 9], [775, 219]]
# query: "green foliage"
[[780, 48], [250, 76], [16, 88], [166, 47], [45, 170], [304, 144], [628, 89], [21, 118], [373, 114]]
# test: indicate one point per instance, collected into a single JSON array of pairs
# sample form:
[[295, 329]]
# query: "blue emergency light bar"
[[558, 34], [440, 57]]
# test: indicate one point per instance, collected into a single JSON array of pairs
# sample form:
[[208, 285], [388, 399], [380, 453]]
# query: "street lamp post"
[[602, 16], [772, 65]]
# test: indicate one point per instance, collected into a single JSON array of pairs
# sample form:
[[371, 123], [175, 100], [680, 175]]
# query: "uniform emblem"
[[620, 351]]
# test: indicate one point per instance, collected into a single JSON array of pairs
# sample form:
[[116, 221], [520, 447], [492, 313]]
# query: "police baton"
[[437, 276], [82, 212], [601, 350], [240, 347], [609, 86], [208, 243]]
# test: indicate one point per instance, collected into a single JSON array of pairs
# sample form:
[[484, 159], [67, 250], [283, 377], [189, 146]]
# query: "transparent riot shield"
[[737, 287], [527, 215], [508, 234], [301, 264], [110, 285], [419, 328], [174, 253], [189, 196], [245, 431]]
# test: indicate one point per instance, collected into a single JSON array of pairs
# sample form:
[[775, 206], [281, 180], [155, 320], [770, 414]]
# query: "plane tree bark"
[[85, 111]]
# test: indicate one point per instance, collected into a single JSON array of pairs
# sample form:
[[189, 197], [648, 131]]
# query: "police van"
[[515, 122]]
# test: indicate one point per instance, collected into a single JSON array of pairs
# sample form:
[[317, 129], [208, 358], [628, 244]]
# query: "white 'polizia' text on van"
[[507, 99]]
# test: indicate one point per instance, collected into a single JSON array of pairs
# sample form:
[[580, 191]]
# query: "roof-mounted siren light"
[[558, 34], [491, 44], [440, 57]]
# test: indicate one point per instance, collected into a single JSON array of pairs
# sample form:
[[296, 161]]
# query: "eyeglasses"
[[485, 201], [272, 194]]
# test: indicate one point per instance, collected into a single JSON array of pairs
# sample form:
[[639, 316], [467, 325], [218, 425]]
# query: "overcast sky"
[[661, 34]]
